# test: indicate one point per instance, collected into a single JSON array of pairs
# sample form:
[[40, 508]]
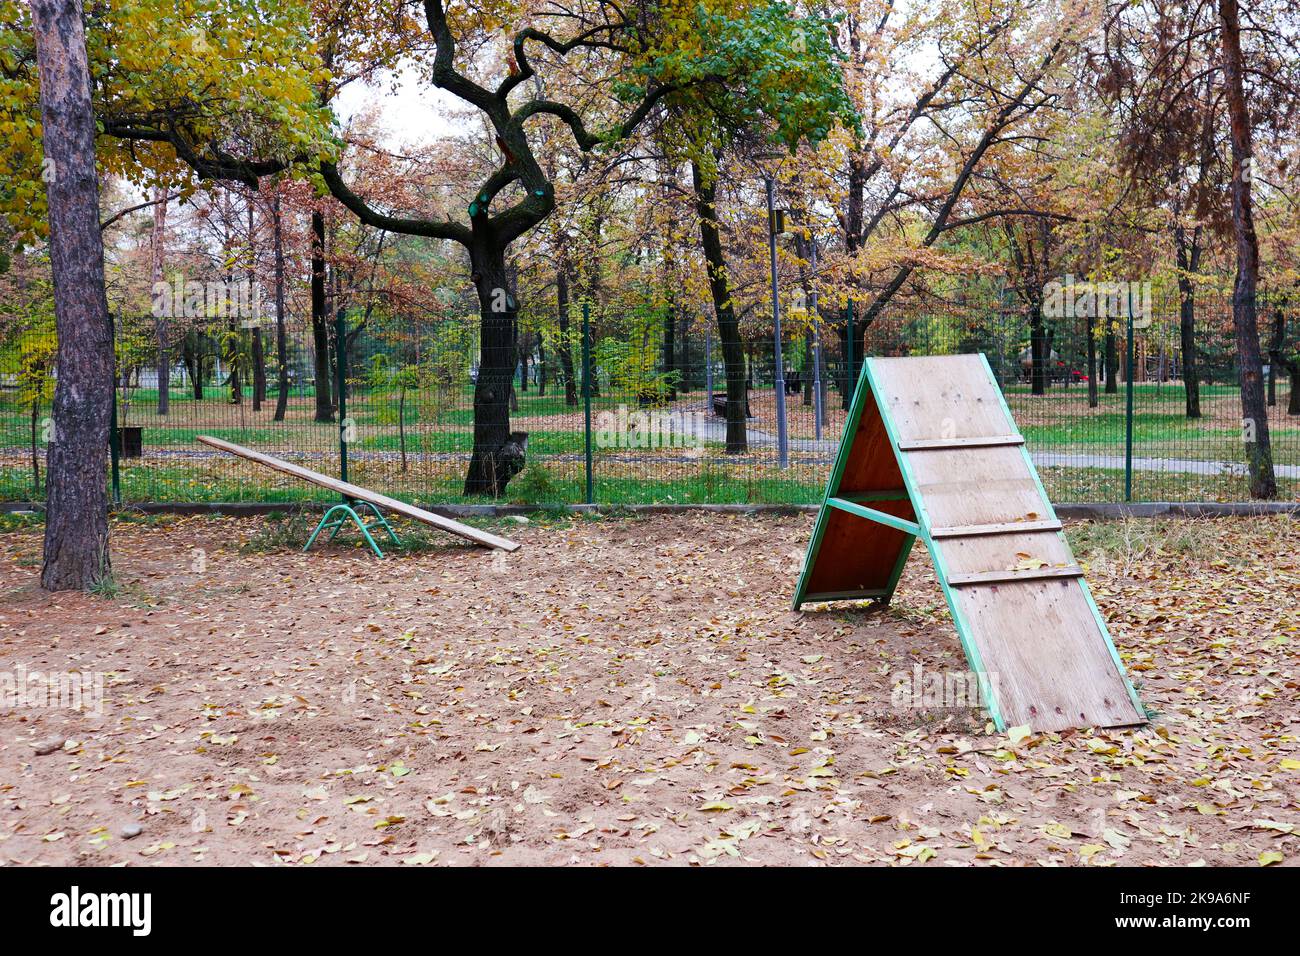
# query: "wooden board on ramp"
[[364, 494], [930, 452]]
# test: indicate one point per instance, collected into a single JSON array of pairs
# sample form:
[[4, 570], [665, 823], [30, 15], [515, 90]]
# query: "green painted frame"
[[851, 421], [347, 512], [1051, 514], [921, 529]]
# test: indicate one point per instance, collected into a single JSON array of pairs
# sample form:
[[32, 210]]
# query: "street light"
[[776, 226], [817, 338]]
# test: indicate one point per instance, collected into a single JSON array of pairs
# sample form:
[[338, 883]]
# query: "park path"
[[762, 445], [715, 429]]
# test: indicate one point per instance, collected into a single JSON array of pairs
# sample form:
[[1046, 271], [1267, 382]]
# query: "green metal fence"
[[647, 430]]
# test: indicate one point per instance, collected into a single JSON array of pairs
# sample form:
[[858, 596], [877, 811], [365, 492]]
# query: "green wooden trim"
[[871, 514], [851, 421], [899, 495], [898, 568], [810, 558], [973, 656], [1114, 652], [863, 595], [1051, 514]]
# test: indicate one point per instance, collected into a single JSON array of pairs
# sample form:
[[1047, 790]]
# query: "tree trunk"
[[1112, 358], [76, 519], [541, 364], [259, 371], [1040, 353], [192, 356], [670, 350], [1188, 262], [401, 422], [498, 452], [161, 327], [565, 345], [1293, 378], [1254, 413], [684, 363], [1091, 327], [36, 457], [733, 352], [281, 339], [320, 333], [524, 354]]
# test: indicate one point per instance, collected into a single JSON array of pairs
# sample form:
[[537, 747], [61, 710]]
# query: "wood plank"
[[995, 552], [989, 441], [968, 486], [940, 397], [1005, 527], [364, 494], [1046, 656], [871, 514], [1024, 574]]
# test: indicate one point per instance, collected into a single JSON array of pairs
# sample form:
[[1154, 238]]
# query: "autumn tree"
[[76, 518]]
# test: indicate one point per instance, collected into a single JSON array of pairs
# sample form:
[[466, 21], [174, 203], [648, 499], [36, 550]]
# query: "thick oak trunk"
[[498, 452], [320, 334], [76, 519], [281, 338], [733, 352], [1040, 351]]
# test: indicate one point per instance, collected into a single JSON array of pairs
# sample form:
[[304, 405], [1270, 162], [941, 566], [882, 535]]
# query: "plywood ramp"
[[930, 452]]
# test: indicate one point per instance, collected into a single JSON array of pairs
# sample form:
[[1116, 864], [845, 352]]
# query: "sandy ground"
[[626, 692]]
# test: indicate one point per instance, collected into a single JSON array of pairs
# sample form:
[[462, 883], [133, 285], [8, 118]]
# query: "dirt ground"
[[628, 691]]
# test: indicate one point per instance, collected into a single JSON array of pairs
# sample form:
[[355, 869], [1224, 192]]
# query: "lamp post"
[[817, 338], [776, 226]]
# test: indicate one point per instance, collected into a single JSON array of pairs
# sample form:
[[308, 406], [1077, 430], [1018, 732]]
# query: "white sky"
[[415, 112]]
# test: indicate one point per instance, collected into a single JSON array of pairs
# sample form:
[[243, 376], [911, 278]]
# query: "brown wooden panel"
[[1002, 551], [1046, 655], [857, 554], [872, 465], [941, 397], [976, 486]]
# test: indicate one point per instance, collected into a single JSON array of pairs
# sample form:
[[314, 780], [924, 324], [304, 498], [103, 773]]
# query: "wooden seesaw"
[[336, 517]]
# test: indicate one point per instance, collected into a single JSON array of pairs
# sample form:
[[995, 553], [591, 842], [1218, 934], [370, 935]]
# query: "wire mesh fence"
[[652, 427]]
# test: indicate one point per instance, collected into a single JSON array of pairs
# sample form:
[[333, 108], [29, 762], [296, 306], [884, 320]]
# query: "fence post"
[[341, 378], [586, 393], [1128, 403], [114, 434]]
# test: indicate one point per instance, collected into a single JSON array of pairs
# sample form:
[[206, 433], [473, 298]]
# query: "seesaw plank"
[[364, 494]]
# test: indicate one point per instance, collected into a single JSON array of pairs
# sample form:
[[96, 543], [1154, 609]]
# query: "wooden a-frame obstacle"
[[930, 451], [340, 514]]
